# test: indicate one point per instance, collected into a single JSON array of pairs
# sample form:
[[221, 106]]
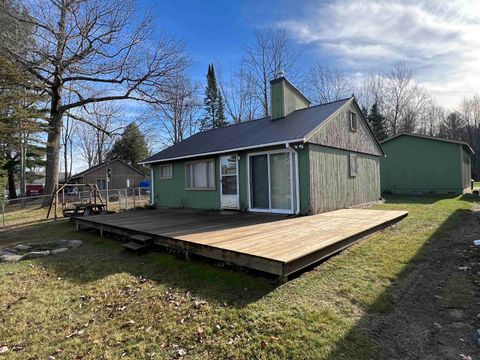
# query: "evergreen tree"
[[213, 103], [130, 147], [377, 122]]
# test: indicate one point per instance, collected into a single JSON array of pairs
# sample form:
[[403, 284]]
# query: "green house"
[[302, 159], [423, 164]]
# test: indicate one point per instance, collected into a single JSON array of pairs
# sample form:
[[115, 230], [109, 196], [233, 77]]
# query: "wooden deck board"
[[276, 238]]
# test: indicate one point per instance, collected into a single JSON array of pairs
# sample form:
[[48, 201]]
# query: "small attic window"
[[353, 121]]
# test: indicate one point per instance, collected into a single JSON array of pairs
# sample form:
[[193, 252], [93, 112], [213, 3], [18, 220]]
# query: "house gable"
[[336, 132]]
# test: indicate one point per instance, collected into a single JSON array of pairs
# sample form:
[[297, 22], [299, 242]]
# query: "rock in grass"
[[8, 257], [9, 250], [35, 254], [59, 250], [74, 243], [23, 247]]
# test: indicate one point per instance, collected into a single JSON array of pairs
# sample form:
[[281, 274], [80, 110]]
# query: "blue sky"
[[440, 38], [217, 31]]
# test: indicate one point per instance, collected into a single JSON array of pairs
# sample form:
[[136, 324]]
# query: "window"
[[200, 175], [166, 171], [353, 121], [353, 165], [130, 182], [101, 184]]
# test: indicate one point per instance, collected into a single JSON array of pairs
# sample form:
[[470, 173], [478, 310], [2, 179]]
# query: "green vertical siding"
[[466, 168], [332, 187], [415, 164], [277, 108], [304, 179], [172, 193]]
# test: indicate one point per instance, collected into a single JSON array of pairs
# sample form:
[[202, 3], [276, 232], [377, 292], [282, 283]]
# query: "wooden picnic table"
[[88, 209]]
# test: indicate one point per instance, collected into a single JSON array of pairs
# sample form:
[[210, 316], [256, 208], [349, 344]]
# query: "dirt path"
[[437, 301]]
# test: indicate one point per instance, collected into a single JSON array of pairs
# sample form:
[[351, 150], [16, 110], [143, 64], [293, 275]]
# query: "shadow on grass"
[[98, 258], [408, 333], [416, 199]]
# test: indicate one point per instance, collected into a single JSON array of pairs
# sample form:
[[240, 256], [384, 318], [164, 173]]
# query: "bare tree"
[[327, 84], [400, 99], [241, 104], [470, 110], [96, 141], [264, 59], [179, 109], [433, 116], [97, 51]]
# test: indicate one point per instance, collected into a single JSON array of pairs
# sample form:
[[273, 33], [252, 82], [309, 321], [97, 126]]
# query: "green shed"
[[302, 159], [424, 164]]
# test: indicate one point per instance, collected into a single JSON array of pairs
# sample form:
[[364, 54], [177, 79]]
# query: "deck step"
[[141, 239], [133, 246]]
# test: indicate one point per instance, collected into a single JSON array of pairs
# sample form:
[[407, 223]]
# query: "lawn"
[[98, 302]]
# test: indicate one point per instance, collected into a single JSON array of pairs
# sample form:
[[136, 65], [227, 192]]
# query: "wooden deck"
[[272, 243]]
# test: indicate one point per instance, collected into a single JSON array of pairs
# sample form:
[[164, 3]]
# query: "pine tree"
[[377, 122], [213, 103], [130, 147]]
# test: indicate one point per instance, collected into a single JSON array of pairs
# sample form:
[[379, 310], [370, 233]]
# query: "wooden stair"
[[138, 243]]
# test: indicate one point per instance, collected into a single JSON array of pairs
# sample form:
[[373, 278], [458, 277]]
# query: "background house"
[[302, 159], [123, 175], [416, 163]]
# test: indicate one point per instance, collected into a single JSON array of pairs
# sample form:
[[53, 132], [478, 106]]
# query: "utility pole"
[[108, 174]]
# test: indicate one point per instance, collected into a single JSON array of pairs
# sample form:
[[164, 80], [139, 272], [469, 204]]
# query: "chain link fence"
[[29, 209]]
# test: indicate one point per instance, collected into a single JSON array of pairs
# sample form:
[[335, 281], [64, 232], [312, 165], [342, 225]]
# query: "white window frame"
[[213, 188], [294, 176], [353, 121], [352, 160], [130, 182], [160, 171], [102, 180]]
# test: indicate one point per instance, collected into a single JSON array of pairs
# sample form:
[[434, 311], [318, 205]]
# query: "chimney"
[[285, 98]]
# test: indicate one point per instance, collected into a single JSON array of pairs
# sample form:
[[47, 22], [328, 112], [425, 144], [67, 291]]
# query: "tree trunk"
[[53, 154], [12, 192]]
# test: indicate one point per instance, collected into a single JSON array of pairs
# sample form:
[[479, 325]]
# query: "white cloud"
[[440, 38]]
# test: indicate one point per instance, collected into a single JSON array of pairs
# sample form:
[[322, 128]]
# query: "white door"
[[229, 182]]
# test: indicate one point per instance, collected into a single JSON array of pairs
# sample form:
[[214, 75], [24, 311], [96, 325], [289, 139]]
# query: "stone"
[[59, 250], [10, 250], [8, 257], [36, 254], [23, 247], [457, 314], [74, 243]]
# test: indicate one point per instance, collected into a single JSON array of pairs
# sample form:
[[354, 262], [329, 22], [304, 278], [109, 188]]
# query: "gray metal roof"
[[464, 144], [251, 134]]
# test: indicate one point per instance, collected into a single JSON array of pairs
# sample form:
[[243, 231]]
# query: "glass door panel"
[[280, 181], [229, 182], [259, 191]]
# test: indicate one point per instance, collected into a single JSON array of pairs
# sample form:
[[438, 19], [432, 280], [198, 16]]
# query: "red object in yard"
[[34, 189]]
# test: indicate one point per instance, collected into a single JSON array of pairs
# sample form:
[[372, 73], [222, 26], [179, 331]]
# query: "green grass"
[[159, 306]]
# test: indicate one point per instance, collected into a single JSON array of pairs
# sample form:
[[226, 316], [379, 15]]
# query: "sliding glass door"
[[271, 182]]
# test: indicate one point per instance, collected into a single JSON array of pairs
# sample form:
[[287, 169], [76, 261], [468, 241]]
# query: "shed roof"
[[251, 134], [464, 144], [93, 168]]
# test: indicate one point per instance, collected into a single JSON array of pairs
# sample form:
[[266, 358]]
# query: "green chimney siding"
[[285, 98], [415, 164], [277, 100]]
